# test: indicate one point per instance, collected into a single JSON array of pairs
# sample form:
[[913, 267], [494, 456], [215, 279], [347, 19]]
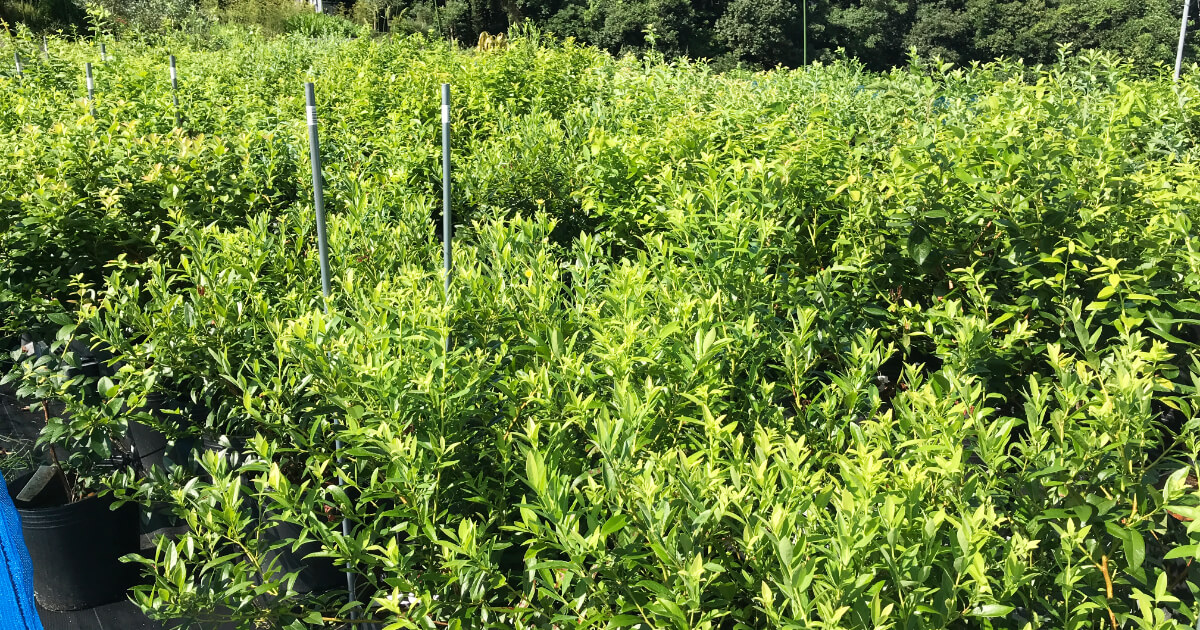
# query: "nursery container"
[[316, 575], [76, 550], [151, 445]]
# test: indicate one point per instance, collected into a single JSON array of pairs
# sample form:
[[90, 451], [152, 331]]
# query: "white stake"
[[446, 218], [1182, 36], [91, 86]]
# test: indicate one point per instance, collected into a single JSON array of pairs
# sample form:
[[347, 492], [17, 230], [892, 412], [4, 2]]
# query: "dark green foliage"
[[761, 32], [944, 29], [753, 33], [42, 15]]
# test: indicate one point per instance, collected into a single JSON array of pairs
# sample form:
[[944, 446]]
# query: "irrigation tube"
[[314, 153], [1182, 35]]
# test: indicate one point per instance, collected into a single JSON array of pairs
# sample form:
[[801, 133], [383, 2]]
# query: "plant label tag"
[[445, 114], [172, 73], [90, 82], [312, 114]]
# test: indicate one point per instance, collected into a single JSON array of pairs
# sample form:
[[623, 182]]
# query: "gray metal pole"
[[804, 38], [45, 48], [314, 153], [91, 87], [103, 52], [1182, 35], [175, 93], [446, 218], [17, 61]]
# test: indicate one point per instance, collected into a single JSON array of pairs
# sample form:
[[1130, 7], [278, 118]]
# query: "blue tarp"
[[17, 611]]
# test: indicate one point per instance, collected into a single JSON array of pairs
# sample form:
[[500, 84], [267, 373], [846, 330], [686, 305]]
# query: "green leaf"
[[1186, 551], [1135, 551], [105, 387], [535, 471], [919, 245], [991, 610], [1132, 544], [1185, 511], [552, 564], [613, 524]]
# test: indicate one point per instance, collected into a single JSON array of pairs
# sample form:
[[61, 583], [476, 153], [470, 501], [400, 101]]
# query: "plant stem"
[[54, 456]]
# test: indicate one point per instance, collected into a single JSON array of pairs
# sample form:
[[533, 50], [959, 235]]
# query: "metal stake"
[[804, 30], [1182, 35], [91, 87], [175, 93], [446, 218], [103, 52], [17, 61], [45, 48], [314, 153]]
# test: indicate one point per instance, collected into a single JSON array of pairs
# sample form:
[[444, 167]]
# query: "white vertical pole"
[[446, 218], [1182, 35], [175, 92], [447, 222], [91, 87]]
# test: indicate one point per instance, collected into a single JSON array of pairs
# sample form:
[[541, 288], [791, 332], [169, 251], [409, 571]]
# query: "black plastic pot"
[[9, 344], [76, 548], [223, 443], [151, 445], [315, 575], [89, 363]]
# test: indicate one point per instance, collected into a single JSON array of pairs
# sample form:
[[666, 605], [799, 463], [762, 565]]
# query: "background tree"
[[750, 33], [872, 30], [942, 28], [762, 32], [41, 15]]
